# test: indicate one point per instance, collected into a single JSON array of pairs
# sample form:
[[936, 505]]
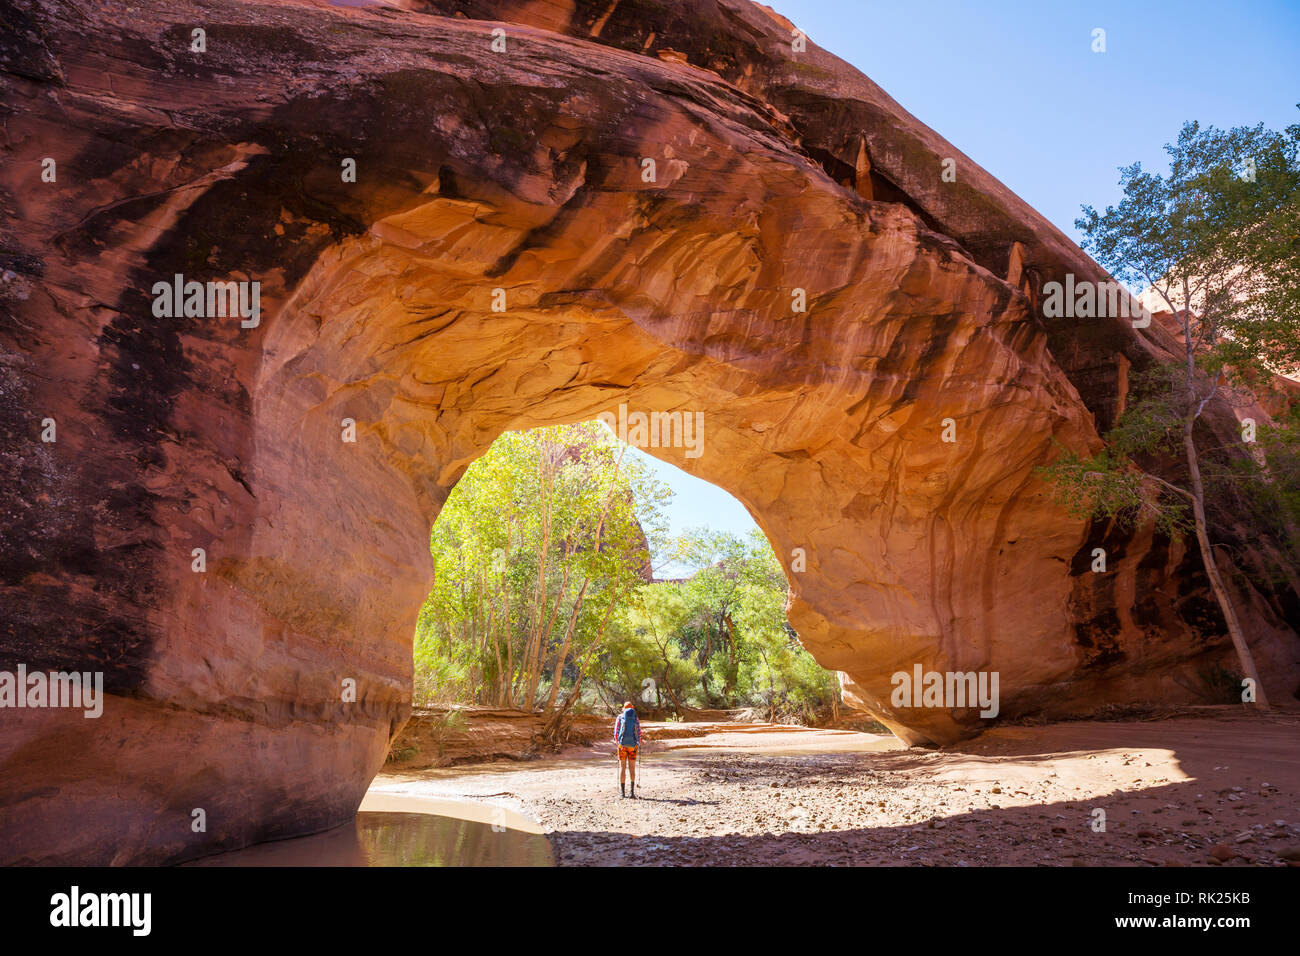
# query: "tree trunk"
[[672, 694], [553, 727], [1212, 568], [1195, 404], [505, 677], [539, 611], [538, 659], [570, 550], [564, 648]]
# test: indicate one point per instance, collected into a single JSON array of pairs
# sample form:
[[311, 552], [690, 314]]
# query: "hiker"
[[627, 734]]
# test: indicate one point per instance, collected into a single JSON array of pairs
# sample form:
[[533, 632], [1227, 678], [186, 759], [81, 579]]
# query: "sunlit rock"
[[449, 242]]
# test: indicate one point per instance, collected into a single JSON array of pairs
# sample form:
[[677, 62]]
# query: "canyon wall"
[[863, 337]]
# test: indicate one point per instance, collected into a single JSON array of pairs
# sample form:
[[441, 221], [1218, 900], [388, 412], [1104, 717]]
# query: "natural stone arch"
[[521, 173], [835, 447]]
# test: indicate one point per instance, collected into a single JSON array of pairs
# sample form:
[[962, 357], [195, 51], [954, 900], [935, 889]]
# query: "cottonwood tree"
[[1217, 243], [535, 548], [720, 637], [712, 593]]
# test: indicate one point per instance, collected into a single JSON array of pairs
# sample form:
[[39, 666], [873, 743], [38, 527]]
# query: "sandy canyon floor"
[[1217, 791]]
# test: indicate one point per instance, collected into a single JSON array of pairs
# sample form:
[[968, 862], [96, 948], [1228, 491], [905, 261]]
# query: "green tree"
[[653, 649], [720, 638], [534, 551], [712, 597], [1218, 241], [541, 593]]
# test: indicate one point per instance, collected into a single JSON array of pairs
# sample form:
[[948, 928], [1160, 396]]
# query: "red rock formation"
[[519, 171]]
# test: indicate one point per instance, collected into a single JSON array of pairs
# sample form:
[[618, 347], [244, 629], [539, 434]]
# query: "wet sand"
[[1213, 791]]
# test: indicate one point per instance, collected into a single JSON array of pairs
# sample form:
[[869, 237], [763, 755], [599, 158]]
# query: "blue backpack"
[[628, 728]]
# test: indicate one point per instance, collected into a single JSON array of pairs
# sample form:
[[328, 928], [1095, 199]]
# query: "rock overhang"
[[522, 174]]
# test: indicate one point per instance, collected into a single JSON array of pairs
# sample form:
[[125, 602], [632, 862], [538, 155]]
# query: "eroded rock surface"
[[520, 171]]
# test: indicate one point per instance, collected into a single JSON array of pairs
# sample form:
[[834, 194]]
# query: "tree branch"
[[1182, 491]]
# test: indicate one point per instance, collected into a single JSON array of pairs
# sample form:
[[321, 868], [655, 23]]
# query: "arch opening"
[[564, 584]]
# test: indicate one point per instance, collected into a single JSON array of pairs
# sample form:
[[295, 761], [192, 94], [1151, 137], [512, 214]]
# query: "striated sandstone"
[[522, 172]]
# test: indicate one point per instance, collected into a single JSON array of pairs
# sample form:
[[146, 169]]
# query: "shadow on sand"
[[1229, 801]]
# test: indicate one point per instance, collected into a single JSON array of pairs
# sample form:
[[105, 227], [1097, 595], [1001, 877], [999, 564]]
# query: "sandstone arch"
[[520, 173]]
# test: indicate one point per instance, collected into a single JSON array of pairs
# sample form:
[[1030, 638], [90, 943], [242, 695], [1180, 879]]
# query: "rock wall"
[[444, 737], [518, 173]]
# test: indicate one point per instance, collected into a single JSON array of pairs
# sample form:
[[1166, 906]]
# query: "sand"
[[1220, 791]]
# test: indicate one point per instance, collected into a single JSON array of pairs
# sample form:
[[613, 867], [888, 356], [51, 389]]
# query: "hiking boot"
[[622, 790], [634, 791]]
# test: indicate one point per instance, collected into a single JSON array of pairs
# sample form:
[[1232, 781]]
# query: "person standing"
[[627, 734]]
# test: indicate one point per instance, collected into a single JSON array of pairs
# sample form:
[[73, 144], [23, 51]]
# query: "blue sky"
[[696, 504], [1016, 87]]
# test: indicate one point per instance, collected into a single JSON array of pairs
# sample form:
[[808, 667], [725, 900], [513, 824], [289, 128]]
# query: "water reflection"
[[398, 839]]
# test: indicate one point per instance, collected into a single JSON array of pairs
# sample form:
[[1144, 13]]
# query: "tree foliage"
[[543, 595], [1216, 241], [536, 548]]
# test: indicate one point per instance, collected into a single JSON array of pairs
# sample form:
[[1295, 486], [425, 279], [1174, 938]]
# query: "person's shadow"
[[680, 803]]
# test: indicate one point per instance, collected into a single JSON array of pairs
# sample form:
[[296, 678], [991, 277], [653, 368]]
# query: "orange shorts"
[[628, 753]]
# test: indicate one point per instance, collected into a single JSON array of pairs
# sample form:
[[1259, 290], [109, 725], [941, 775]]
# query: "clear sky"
[[1016, 87], [697, 504]]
